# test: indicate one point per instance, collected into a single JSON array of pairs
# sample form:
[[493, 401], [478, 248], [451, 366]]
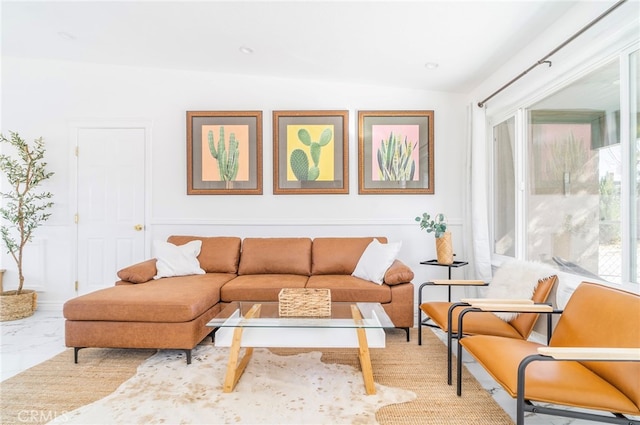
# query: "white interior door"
[[110, 215]]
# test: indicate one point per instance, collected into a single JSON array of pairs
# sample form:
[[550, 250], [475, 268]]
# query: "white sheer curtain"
[[477, 195]]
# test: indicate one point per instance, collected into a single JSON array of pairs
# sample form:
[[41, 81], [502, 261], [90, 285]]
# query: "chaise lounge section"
[[172, 312]]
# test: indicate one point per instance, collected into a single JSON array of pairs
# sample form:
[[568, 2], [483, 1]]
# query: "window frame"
[[520, 112]]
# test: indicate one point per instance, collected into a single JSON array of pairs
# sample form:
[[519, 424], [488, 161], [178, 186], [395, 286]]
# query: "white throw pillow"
[[517, 280], [174, 260], [375, 261]]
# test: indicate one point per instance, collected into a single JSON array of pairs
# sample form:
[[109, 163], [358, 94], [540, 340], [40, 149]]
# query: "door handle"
[[138, 227]]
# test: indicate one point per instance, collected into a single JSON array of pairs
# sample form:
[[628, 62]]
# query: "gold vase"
[[444, 248]]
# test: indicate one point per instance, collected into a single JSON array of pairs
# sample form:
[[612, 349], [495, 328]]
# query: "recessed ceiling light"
[[431, 65], [246, 50], [66, 36]]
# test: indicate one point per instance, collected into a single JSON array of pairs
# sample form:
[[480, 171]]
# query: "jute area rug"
[[57, 387]]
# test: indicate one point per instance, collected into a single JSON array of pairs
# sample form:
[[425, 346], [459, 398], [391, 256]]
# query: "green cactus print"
[[299, 160], [227, 161], [299, 164], [395, 162]]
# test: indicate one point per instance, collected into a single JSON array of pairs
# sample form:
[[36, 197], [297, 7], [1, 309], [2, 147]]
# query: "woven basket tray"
[[304, 302]]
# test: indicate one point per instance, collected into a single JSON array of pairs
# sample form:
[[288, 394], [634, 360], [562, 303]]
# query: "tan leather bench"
[[592, 360], [447, 316]]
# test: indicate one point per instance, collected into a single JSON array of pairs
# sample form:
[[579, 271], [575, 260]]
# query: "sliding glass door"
[[572, 199]]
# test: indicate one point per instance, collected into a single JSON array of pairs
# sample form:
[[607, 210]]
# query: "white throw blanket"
[[297, 389], [517, 280]]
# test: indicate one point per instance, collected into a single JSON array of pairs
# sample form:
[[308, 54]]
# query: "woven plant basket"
[[304, 302], [444, 249], [13, 307]]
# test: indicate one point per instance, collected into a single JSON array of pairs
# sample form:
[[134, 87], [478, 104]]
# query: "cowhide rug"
[[295, 389]]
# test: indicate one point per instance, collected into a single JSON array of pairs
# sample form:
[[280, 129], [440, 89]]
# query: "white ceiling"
[[370, 42]]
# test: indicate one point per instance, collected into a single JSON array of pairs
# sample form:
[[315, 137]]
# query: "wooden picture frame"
[[236, 169], [396, 152], [310, 152]]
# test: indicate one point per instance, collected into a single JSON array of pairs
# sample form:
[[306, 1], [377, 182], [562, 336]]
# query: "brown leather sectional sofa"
[[172, 312]]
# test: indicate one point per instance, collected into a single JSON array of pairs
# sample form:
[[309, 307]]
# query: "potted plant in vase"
[[24, 211], [438, 226]]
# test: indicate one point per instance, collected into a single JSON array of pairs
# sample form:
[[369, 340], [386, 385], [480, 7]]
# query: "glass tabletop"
[[233, 316]]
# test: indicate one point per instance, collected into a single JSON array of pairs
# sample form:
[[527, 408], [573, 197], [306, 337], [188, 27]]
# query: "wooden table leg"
[[363, 353], [235, 368]]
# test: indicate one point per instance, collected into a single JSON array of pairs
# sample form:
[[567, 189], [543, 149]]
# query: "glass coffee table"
[[258, 324]]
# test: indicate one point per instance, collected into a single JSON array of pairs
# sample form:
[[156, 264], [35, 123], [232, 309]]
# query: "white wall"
[[41, 98]]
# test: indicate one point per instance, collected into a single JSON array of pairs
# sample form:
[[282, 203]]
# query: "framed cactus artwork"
[[224, 152], [395, 152], [310, 152]]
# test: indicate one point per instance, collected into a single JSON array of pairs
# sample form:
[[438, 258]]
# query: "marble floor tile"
[[26, 342]]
